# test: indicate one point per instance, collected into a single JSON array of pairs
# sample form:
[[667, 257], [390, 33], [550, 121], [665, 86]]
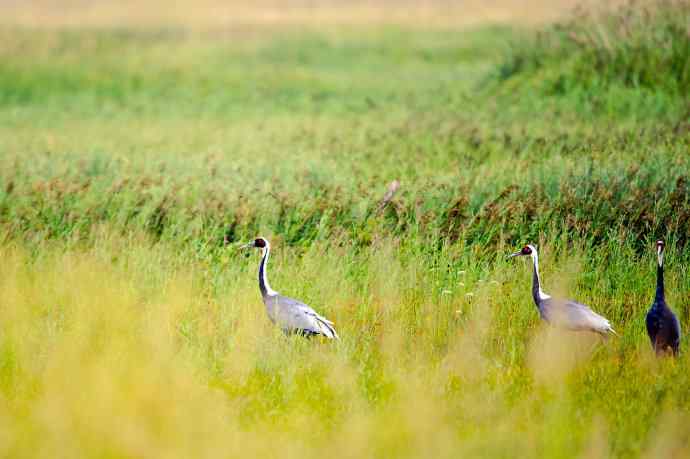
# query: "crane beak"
[[246, 246], [516, 254]]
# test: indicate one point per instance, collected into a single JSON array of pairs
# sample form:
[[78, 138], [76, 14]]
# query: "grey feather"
[[572, 315], [293, 316]]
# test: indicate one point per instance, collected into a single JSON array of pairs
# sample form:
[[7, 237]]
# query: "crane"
[[562, 313], [663, 327], [291, 315]]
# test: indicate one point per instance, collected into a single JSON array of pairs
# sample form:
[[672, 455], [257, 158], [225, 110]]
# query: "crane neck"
[[659, 298], [264, 286], [537, 293]]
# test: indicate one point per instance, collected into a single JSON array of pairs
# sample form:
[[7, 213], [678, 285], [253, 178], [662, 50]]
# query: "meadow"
[[130, 151]]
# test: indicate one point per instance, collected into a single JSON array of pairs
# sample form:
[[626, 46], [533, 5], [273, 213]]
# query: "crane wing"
[[572, 315], [293, 315]]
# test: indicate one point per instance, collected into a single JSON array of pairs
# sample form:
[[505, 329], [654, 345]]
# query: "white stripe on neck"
[[265, 254], [535, 260]]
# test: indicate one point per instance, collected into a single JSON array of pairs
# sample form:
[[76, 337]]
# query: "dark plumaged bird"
[[663, 327], [567, 314], [290, 315]]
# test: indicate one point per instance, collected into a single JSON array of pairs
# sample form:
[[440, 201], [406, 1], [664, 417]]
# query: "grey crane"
[[567, 314], [290, 315], [663, 327]]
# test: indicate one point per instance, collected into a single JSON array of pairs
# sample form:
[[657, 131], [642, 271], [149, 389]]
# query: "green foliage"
[[589, 198], [639, 44], [630, 59]]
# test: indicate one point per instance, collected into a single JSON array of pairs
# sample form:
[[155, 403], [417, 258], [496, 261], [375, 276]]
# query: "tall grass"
[[128, 329], [640, 44], [630, 59], [128, 349]]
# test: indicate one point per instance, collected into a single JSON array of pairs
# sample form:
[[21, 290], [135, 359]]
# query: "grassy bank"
[[130, 330]]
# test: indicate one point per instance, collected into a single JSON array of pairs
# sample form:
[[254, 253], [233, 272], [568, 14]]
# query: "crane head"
[[660, 245], [525, 251], [259, 242]]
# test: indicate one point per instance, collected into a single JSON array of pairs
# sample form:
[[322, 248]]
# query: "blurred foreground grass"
[[128, 330], [128, 350]]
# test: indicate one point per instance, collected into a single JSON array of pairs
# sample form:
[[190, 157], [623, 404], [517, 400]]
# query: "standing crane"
[[292, 316], [567, 314], [663, 327]]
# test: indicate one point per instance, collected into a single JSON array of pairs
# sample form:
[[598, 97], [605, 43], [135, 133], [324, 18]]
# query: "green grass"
[[129, 330]]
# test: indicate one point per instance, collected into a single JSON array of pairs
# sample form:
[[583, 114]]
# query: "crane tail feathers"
[[327, 329], [607, 331]]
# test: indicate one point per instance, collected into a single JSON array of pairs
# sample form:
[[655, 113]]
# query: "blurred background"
[[220, 14]]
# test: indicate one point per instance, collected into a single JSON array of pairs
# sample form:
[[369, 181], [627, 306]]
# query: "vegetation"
[[128, 328]]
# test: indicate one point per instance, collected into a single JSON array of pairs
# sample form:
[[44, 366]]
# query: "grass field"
[[130, 147]]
